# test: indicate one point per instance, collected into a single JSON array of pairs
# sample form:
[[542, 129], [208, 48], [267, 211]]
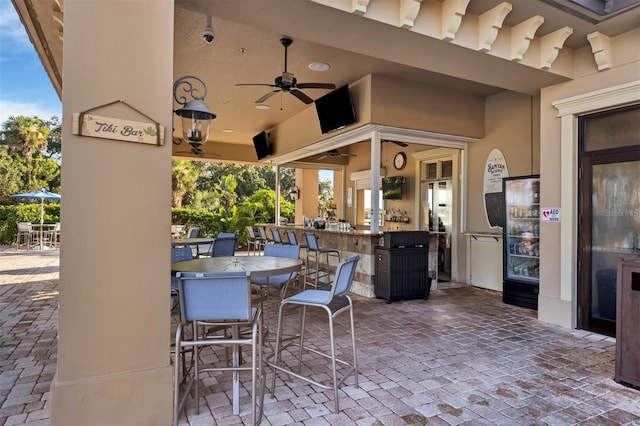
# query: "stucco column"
[[114, 322], [307, 181]]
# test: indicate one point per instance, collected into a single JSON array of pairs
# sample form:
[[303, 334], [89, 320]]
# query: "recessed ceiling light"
[[263, 106], [319, 66], [228, 131]]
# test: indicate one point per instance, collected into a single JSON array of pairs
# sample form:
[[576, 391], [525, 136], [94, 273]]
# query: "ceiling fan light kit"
[[287, 82]]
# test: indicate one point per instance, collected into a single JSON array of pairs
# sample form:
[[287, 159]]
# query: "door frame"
[[585, 285], [569, 109]]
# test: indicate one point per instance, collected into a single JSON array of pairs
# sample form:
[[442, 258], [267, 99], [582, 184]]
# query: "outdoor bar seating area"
[[231, 315]]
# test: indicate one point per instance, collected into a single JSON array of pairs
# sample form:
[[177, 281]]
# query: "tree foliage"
[[183, 180], [27, 136], [27, 161]]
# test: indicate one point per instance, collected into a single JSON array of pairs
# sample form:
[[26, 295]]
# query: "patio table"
[[259, 266]]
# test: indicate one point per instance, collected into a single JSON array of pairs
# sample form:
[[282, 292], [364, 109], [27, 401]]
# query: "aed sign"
[[550, 214]]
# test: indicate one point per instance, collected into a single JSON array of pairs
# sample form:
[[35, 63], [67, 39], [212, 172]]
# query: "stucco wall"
[[510, 120]]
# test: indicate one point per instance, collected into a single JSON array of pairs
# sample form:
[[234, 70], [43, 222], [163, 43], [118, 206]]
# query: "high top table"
[[259, 266]]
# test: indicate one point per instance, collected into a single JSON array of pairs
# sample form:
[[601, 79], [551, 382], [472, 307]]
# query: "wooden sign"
[[97, 126]]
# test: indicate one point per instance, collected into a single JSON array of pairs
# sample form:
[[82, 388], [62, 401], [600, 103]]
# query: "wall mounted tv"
[[262, 145], [392, 187], [335, 110]]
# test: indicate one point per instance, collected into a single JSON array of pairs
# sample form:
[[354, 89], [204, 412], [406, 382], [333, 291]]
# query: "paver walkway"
[[461, 357]]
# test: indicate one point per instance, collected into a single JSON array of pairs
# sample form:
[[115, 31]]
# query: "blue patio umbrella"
[[41, 195]]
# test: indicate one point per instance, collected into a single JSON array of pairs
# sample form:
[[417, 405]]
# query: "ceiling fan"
[[288, 83], [335, 153]]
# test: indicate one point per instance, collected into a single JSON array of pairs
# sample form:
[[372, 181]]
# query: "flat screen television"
[[392, 187], [335, 110], [262, 145]]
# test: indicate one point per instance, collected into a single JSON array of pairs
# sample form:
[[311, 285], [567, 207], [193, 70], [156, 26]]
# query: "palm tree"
[[26, 135], [183, 180]]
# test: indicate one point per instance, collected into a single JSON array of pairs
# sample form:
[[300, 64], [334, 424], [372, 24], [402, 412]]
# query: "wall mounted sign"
[[97, 126], [550, 214], [494, 170]]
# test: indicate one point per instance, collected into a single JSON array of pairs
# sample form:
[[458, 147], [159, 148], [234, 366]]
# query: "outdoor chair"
[[224, 246], [219, 300], [334, 301], [275, 236], [193, 232], [263, 236], [26, 235], [279, 281], [177, 231], [293, 240], [315, 253], [255, 243], [53, 236], [178, 254]]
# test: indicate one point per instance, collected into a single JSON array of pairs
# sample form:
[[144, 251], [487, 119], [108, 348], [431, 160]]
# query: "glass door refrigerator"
[[521, 241]]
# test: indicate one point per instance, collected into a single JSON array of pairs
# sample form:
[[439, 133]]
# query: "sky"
[[25, 87]]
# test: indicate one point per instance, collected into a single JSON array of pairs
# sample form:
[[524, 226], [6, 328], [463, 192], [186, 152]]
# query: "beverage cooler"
[[521, 241]]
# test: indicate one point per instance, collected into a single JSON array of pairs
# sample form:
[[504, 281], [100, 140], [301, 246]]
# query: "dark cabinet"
[[627, 335], [401, 273]]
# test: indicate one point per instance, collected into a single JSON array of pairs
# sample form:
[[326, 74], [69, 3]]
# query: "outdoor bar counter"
[[349, 243]]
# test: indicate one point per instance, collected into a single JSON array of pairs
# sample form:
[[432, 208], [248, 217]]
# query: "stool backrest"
[[220, 296], [312, 241], [282, 250], [263, 233], [276, 236], [193, 232], [224, 247], [178, 254], [344, 276], [252, 235], [291, 236]]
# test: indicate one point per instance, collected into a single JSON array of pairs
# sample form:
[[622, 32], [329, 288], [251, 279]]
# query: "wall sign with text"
[[550, 214], [116, 129], [495, 169]]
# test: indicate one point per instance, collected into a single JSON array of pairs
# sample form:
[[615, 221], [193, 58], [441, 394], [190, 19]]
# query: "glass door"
[[609, 225], [437, 212], [612, 231]]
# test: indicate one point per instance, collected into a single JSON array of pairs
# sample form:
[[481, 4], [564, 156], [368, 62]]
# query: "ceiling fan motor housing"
[[287, 78]]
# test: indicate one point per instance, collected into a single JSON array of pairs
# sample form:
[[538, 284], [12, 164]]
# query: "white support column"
[[375, 182], [277, 212]]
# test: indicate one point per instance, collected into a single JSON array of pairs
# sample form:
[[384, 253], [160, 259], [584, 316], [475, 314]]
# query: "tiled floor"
[[461, 357]]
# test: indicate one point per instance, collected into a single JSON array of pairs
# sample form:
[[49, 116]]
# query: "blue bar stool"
[[334, 301], [315, 253]]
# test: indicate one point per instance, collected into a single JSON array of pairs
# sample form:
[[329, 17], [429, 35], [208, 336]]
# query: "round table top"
[[190, 241], [257, 265]]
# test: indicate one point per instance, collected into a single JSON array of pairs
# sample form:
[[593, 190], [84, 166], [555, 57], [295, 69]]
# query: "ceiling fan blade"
[[267, 96], [256, 84], [304, 98], [316, 86], [402, 144]]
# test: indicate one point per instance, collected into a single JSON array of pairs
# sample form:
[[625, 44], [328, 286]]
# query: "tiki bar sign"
[[97, 126]]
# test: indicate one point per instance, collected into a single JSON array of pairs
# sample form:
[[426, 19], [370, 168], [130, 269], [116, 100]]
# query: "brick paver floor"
[[461, 357]]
